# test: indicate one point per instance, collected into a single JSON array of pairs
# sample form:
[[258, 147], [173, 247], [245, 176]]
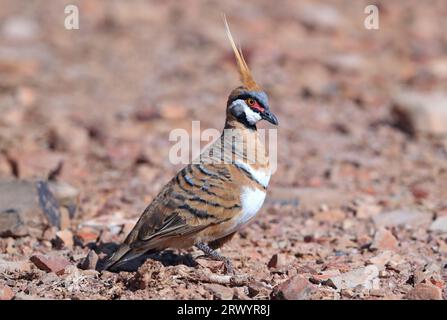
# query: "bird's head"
[[248, 103], [249, 106]]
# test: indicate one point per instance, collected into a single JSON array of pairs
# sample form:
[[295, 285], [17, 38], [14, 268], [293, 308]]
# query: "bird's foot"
[[216, 256]]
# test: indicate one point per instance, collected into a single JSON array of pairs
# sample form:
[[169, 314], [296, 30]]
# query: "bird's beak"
[[270, 117]]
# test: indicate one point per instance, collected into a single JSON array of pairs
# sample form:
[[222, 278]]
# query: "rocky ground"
[[356, 210]]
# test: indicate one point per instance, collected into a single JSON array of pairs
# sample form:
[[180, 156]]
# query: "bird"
[[218, 193]]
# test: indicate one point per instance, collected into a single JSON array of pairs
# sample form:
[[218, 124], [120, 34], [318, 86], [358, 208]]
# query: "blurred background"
[[363, 118]]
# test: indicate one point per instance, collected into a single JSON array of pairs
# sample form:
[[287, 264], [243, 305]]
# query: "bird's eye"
[[250, 102]]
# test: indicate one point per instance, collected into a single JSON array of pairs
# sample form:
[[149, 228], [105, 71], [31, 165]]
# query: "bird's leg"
[[216, 256]]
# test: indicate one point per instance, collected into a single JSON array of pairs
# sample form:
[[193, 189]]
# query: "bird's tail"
[[121, 256]]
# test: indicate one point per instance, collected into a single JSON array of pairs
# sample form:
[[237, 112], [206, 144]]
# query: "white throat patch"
[[261, 176], [239, 106]]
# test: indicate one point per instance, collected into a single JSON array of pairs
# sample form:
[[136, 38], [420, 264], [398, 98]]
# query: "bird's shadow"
[[166, 257]]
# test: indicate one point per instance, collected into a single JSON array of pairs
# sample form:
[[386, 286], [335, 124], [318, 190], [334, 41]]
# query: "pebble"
[[220, 292], [90, 261], [14, 266], [330, 216], [424, 291], [440, 224], [295, 288], [87, 235], [323, 17], [407, 217], [20, 28], [307, 198], [279, 260], [50, 263], [256, 287], [386, 257], [366, 211], [64, 238], [173, 112], [384, 240], [366, 277], [6, 293], [421, 113], [20, 211]]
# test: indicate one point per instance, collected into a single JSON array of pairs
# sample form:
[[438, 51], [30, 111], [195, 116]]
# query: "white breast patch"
[[252, 200]]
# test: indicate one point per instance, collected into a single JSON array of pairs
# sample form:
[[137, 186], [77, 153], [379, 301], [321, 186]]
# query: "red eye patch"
[[256, 106]]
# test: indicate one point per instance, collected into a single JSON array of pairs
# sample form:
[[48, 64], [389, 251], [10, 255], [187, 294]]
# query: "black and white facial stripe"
[[244, 113], [251, 114]]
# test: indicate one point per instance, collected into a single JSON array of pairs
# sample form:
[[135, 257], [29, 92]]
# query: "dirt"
[[356, 209]]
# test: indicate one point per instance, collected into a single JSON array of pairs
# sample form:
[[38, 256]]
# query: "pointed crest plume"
[[244, 71]]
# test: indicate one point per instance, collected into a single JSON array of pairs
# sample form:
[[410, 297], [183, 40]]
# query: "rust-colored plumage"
[[244, 72]]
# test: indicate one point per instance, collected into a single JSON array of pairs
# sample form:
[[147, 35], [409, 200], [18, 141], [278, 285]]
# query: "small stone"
[[49, 278], [87, 235], [442, 247], [65, 136], [364, 240], [384, 240], [348, 293], [26, 96], [64, 238], [11, 246], [49, 234], [421, 113], [278, 260], [22, 28], [90, 273], [348, 224], [345, 62], [307, 198], [273, 263], [255, 288], [173, 112], [6, 293], [330, 216], [220, 292], [240, 293], [146, 113], [366, 211], [24, 296], [73, 271], [386, 257], [407, 217], [366, 277], [36, 163], [107, 275], [14, 266], [431, 273], [20, 211], [384, 274], [90, 261], [50, 264], [64, 192], [440, 224], [424, 291], [322, 17], [212, 265], [295, 288], [438, 67], [147, 275], [377, 292]]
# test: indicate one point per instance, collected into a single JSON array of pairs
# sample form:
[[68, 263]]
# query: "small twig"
[[233, 280]]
